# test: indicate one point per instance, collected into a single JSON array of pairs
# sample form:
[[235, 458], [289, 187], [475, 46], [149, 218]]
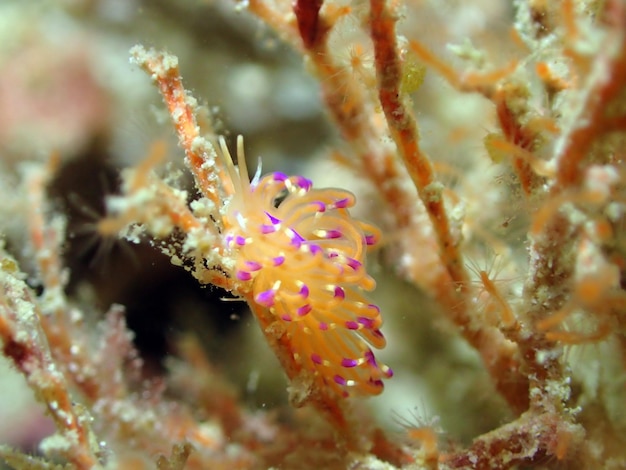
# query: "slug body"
[[303, 255]]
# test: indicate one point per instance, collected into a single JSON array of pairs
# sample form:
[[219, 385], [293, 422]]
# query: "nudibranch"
[[303, 255]]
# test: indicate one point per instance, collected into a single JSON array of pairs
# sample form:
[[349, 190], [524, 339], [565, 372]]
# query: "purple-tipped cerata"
[[303, 256]]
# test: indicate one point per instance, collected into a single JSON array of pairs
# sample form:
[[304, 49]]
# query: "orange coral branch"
[[404, 131], [478, 82], [201, 158], [433, 61], [485, 83], [503, 364], [520, 136], [347, 105], [25, 346], [611, 64], [46, 241], [280, 22]]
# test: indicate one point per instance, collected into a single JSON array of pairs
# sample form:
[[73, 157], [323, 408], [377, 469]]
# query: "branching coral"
[[551, 159]]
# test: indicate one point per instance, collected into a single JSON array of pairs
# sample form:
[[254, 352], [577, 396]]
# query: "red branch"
[[307, 14]]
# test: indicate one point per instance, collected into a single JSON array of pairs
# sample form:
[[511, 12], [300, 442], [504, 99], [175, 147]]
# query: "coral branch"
[[529, 440], [307, 14], [25, 345], [607, 81], [520, 136], [57, 323], [405, 133], [201, 157], [403, 127]]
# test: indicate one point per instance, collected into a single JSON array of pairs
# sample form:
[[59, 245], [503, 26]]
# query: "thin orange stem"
[[612, 64], [404, 131], [453, 291], [201, 157]]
